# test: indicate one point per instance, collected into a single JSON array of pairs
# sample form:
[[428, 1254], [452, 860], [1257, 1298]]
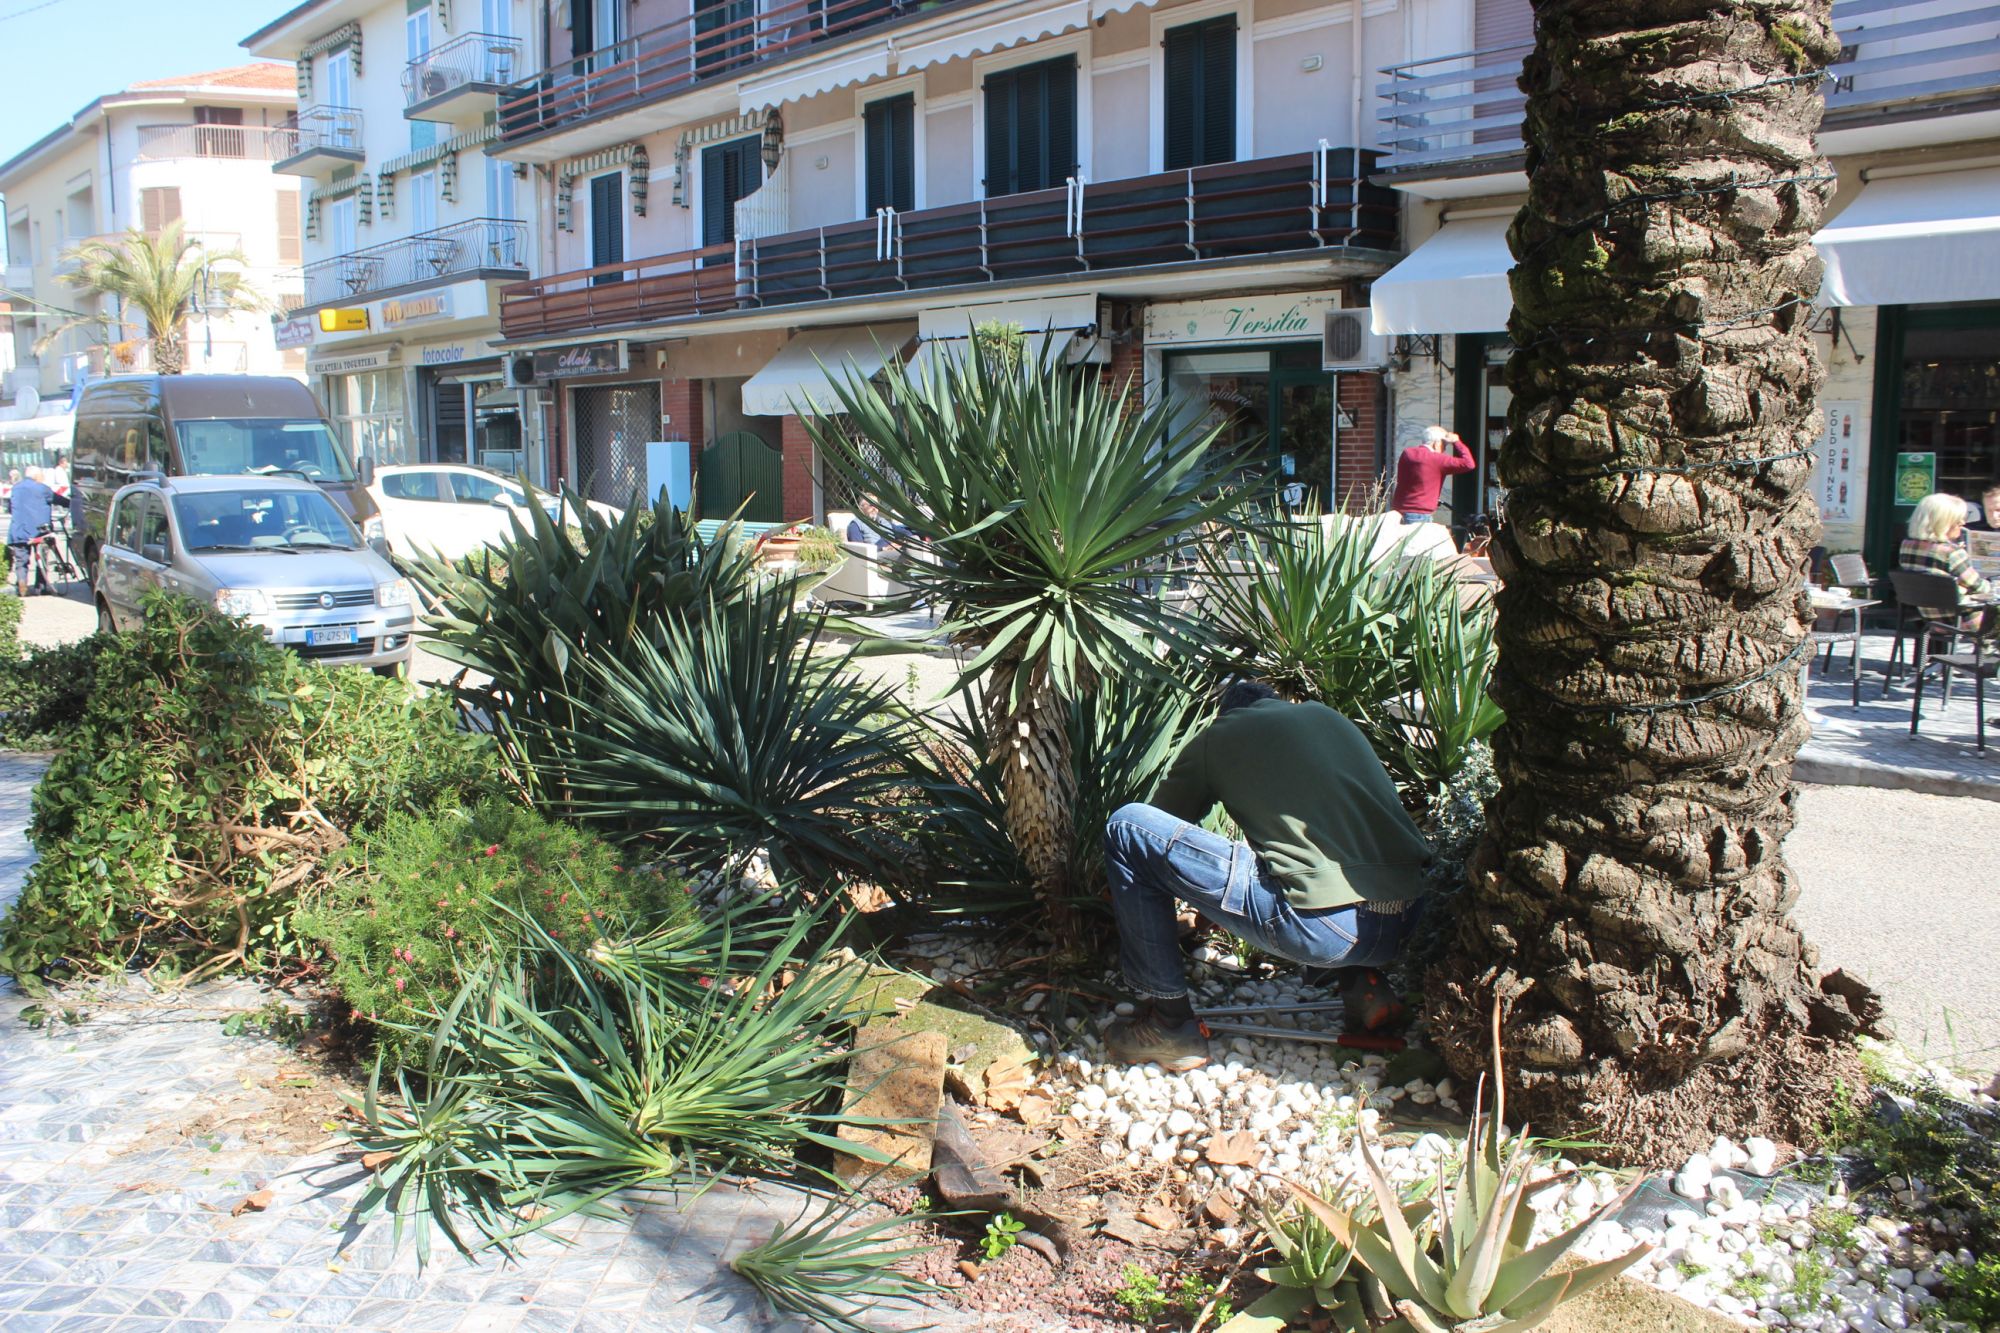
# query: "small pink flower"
[[704, 982], [399, 985], [450, 933], [493, 849], [444, 902]]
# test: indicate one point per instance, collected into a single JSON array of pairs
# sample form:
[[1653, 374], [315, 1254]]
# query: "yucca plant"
[[557, 594], [1445, 649], [1463, 1261], [828, 1269], [555, 1081], [726, 730], [1041, 507]]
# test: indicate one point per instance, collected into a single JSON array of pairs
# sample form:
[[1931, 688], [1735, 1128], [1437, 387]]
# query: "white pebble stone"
[[1139, 1135]]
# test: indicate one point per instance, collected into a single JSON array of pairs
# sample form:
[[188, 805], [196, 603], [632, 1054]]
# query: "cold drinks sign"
[[1841, 453]]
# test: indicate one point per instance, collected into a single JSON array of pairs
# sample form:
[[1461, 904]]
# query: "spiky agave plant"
[[555, 1081], [1043, 507], [830, 1270]]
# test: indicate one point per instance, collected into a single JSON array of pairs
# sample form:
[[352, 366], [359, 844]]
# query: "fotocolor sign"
[[584, 359]]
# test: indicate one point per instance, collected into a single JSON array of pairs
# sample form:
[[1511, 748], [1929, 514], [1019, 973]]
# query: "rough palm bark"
[[1630, 907], [1032, 752]]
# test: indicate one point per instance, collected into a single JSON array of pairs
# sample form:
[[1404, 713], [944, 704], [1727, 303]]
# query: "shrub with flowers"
[[414, 901]]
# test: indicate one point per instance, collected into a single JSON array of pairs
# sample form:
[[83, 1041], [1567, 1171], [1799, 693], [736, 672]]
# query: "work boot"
[[1148, 1038]]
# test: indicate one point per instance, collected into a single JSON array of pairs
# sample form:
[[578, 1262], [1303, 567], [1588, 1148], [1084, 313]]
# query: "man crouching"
[[1330, 873]]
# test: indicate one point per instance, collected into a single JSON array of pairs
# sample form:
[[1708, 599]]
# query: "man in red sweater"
[[1421, 470]]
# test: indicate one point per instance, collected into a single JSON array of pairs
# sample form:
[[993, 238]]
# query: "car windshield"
[[242, 447], [252, 520]]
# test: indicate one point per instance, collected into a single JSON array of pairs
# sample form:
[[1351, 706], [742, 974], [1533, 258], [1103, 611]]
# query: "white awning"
[[1051, 312], [1455, 282], [795, 380], [807, 78], [1040, 348], [1024, 23], [1912, 239], [54, 430]]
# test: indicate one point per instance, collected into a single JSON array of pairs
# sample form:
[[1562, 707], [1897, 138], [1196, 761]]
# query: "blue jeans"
[[1409, 518], [1154, 858]]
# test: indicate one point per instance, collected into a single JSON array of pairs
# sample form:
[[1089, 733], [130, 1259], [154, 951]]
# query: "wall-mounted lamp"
[[774, 141]]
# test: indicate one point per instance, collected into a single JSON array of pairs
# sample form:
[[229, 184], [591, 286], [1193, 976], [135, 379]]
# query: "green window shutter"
[[729, 171], [1002, 94], [1031, 127], [607, 225], [1058, 127], [889, 145], [1200, 93]]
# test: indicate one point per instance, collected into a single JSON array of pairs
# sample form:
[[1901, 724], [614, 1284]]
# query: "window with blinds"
[[158, 208], [889, 131], [607, 225], [1200, 93], [1030, 126]]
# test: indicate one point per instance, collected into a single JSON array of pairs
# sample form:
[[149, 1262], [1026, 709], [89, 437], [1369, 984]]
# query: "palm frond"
[[830, 1269]]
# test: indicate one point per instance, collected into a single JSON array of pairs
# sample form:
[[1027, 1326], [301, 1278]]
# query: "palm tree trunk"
[[1631, 906], [1031, 744], [169, 354]]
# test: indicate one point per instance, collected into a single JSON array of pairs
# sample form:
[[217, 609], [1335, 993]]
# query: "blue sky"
[[59, 55]]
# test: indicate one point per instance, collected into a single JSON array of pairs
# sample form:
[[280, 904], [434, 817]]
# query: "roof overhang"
[[1910, 240]]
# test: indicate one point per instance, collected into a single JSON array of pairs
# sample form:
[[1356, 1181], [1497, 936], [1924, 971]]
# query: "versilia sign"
[[556, 363], [1269, 317]]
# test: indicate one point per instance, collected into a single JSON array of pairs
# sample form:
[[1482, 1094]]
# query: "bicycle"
[[51, 562]]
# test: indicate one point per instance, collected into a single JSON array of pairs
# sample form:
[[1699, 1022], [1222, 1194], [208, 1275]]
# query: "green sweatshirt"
[[1309, 794]]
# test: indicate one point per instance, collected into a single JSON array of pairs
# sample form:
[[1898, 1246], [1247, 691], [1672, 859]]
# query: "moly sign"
[[1265, 318], [556, 363]]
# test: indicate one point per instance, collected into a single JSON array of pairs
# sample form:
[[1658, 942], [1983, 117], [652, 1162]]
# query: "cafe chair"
[[1942, 596]]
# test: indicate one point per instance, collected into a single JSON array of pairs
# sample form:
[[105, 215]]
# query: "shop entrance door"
[[613, 423], [1937, 403], [1303, 422], [1274, 409]]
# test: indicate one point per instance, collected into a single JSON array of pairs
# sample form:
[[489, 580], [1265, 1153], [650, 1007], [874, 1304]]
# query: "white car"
[[452, 510]]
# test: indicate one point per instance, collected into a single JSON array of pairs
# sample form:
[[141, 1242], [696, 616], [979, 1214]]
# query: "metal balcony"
[[663, 62], [1898, 61], [1299, 203], [483, 246], [458, 81], [247, 143], [319, 139]]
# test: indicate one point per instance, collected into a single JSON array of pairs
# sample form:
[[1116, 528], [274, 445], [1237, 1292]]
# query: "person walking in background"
[[1421, 470], [33, 510]]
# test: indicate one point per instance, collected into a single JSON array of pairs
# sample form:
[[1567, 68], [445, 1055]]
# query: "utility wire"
[[19, 13]]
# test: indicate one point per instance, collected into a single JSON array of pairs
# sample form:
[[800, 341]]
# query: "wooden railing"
[[1907, 57], [725, 39], [1275, 205]]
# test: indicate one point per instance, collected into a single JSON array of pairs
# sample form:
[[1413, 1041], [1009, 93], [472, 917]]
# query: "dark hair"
[[1241, 694]]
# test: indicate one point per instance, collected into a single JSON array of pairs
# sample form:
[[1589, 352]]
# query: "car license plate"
[[331, 636]]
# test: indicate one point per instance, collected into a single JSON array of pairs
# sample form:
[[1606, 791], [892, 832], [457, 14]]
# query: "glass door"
[[1303, 412]]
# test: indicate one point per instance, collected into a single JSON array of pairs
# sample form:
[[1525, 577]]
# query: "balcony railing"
[[723, 39], [480, 246], [249, 143], [335, 130], [1298, 203], [476, 60], [1897, 57]]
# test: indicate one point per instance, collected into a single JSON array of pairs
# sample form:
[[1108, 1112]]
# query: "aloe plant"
[[1312, 1276], [1465, 1263]]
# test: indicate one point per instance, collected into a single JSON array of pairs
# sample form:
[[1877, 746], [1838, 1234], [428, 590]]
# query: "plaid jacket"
[[1947, 558]]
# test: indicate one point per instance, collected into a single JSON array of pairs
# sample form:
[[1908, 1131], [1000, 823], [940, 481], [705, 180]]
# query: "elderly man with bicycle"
[[33, 505]]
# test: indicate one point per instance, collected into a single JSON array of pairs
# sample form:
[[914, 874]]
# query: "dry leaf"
[[252, 1203], [1006, 1081], [1239, 1147], [371, 1161], [1221, 1209], [1035, 1109], [1160, 1217]]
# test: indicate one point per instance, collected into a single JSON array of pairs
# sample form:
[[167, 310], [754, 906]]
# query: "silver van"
[[274, 551]]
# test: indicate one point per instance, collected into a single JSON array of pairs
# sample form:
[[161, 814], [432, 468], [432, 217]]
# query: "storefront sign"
[[1841, 451], [350, 365], [1916, 477], [584, 359], [1277, 317], [298, 331], [405, 310]]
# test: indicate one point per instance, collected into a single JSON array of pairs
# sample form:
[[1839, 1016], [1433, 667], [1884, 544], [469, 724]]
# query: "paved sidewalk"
[[1871, 746], [127, 1140]]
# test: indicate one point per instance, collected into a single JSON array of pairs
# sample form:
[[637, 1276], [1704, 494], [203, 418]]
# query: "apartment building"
[[736, 195], [1910, 317], [196, 148], [411, 229]]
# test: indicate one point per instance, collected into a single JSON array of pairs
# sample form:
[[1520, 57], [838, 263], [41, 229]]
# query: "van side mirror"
[[365, 470], [155, 552]]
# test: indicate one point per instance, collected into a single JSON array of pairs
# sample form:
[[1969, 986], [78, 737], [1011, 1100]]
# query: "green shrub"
[[209, 774], [44, 692], [820, 548], [10, 626], [416, 904]]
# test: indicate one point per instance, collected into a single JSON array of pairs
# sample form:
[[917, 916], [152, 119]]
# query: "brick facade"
[[797, 447], [1355, 466]]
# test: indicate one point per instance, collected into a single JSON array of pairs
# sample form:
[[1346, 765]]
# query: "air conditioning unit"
[[518, 372], [1348, 343]]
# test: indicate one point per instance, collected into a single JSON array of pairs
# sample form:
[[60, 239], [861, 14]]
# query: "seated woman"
[[1933, 547]]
